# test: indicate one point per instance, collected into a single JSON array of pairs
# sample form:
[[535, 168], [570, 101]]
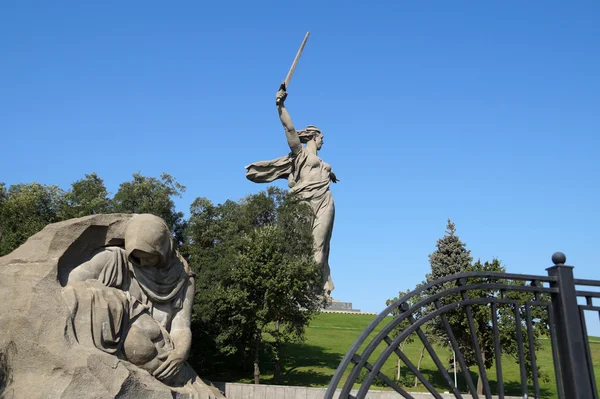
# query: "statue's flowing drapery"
[[105, 308], [315, 193]]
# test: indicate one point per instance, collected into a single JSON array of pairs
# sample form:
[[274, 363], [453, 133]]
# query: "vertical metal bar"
[[571, 346], [498, 353], [521, 350], [554, 342], [531, 342]]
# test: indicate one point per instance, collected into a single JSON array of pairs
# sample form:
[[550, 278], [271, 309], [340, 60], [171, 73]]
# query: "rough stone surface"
[[40, 356]]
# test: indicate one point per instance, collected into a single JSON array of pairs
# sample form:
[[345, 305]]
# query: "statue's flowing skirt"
[[324, 210]]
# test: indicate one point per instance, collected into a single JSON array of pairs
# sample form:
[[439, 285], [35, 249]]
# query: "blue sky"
[[487, 113]]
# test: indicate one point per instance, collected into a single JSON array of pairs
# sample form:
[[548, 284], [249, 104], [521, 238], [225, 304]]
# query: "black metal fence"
[[537, 306]]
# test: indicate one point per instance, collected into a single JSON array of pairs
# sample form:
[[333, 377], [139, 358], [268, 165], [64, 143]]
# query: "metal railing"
[[535, 305]]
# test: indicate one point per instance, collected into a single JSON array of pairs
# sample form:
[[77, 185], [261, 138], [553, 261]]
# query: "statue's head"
[[311, 133], [148, 241]]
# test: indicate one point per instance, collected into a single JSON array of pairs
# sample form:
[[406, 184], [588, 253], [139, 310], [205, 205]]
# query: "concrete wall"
[[251, 391]]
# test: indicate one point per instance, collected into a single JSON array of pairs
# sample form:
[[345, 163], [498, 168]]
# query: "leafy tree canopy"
[[151, 195], [257, 281], [25, 209]]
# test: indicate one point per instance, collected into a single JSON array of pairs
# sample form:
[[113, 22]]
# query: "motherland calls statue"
[[98, 307], [308, 177]]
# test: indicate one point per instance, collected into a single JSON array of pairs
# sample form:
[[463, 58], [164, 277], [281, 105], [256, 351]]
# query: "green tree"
[[482, 318], [257, 281], [3, 193], [151, 195], [507, 323], [25, 209], [3, 199], [87, 196], [404, 324], [417, 314], [452, 257]]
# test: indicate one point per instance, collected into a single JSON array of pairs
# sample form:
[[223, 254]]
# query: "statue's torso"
[[163, 313], [315, 169]]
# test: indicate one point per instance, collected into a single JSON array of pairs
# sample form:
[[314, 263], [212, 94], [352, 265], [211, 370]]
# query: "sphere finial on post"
[[559, 259]]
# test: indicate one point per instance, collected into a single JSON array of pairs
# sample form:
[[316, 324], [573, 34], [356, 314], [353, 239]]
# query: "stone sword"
[[286, 82]]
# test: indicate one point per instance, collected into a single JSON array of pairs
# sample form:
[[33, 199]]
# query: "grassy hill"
[[329, 337]]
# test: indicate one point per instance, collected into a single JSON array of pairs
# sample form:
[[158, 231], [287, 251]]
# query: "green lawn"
[[329, 337]]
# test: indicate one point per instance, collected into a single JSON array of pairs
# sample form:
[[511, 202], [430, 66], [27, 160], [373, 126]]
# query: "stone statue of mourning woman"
[[308, 177], [136, 301], [98, 306]]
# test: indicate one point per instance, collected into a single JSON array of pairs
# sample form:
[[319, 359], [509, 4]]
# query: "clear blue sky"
[[487, 113]]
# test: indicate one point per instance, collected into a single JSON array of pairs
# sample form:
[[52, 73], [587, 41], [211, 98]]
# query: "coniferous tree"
[[451, 255]]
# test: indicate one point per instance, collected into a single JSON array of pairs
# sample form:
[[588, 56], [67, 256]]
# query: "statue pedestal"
[[335, 306]]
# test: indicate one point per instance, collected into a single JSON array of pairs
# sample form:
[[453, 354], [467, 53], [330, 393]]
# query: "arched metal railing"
[[548, 303]]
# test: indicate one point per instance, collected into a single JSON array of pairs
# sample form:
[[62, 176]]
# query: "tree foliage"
[[25, 209], [151, 195], [403, 325], [258, 283], [87, 196], [452, 257]]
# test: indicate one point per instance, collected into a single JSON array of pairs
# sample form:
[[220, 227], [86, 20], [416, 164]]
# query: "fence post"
[[571, 338]]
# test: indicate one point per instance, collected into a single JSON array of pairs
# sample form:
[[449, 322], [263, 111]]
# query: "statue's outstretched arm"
[[91, 269], [286, 121]]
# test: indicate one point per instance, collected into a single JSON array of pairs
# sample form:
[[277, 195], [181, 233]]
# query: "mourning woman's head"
[[148, 241]]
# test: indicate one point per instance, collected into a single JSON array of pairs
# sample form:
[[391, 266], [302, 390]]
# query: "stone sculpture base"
[[39, 353], [340, 306]]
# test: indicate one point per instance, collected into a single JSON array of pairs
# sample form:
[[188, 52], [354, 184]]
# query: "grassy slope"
[[330, 336]]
